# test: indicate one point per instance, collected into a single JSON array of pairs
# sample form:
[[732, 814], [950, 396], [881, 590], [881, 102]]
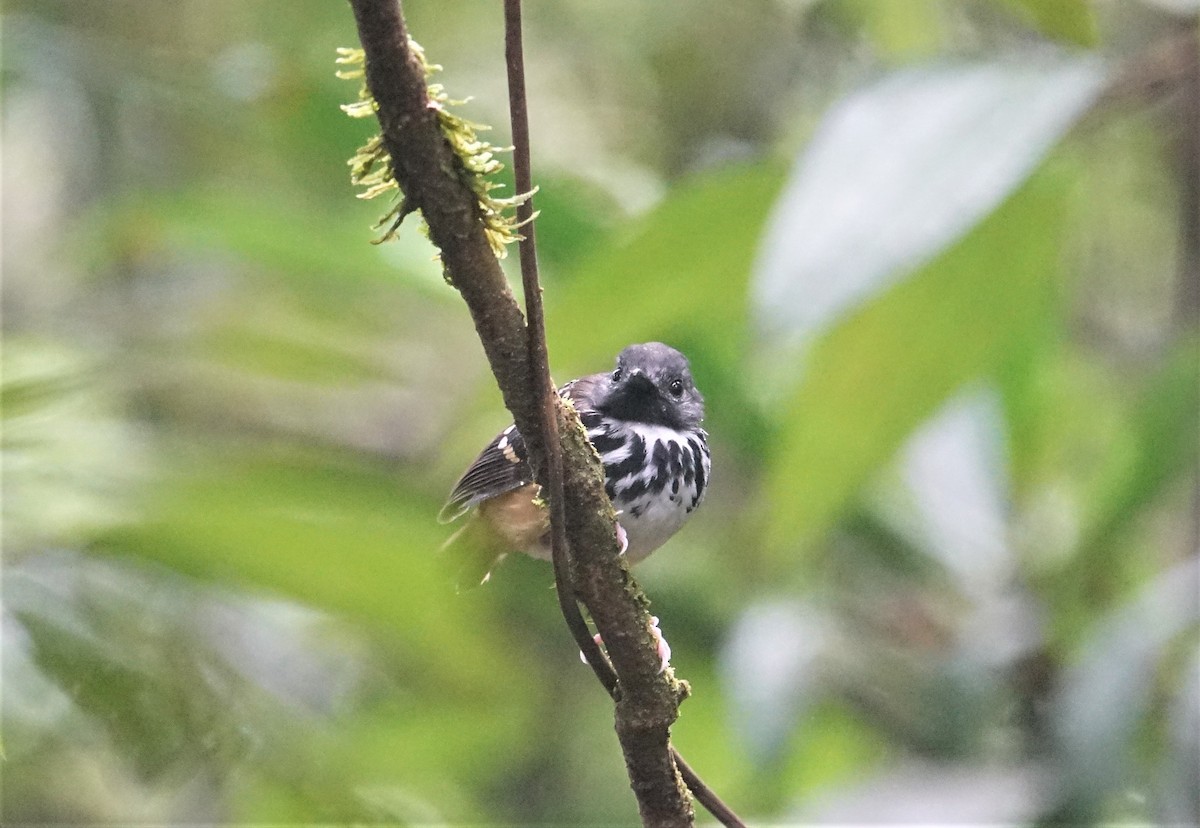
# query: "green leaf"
[[883, 370], [898, 171], [575, 218], [313, 249], [1071, 21], [281, 354], [1165, 437], [329, 534], [679, 275], [899, 28], [680, 272]]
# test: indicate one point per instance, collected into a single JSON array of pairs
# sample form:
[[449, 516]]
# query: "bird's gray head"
[[652, 384]]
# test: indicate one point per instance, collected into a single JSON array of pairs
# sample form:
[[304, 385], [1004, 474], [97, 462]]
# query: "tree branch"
[[539, 358], [583, 521], [424, 166], [650, 759]]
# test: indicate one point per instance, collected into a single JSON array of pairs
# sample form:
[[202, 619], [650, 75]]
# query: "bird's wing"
[[504, 464], [499, 468]]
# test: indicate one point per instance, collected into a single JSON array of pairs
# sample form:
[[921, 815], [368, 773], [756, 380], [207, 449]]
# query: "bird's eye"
[[676, 387], [616, 375]]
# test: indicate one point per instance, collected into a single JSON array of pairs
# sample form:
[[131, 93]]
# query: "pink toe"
[[622, 538], [664, 649]]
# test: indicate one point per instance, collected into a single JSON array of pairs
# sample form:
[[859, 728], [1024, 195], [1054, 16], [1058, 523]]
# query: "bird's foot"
[[622, 538], [660, 643]]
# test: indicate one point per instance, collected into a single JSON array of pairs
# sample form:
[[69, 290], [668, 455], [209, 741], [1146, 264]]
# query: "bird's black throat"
[[637, 399]]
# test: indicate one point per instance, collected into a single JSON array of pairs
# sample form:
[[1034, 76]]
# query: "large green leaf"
[[898, 29], [330, 534], [682, 270], [900, 169], [317, 250], [679, 275], [1164, 437], [879, 373]]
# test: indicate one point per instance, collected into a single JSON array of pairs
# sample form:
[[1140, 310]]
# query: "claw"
[[664, 649], [660, 642], [622, 538]]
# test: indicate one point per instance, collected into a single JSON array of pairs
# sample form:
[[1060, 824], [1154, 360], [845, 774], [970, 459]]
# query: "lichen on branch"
[[371, 166]]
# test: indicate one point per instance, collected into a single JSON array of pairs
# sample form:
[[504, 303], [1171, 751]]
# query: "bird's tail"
[[472, 553]]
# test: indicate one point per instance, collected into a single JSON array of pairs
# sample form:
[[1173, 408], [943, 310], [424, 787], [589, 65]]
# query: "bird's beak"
[[637, 382], [636, 397]]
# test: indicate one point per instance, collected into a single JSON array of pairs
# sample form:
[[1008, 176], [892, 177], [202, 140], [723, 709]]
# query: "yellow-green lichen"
[[371, 166]]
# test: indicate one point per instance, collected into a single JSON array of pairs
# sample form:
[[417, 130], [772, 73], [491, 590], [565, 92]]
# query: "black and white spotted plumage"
[[655, 476], [644, 419]]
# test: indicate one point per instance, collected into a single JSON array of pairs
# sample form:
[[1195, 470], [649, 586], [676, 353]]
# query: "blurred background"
[[935, 263]]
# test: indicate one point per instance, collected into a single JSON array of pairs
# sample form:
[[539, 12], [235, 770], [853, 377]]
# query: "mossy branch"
[[476, 162], [428, 156]]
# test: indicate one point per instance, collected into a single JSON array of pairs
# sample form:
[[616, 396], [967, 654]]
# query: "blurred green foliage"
[[947, 570]]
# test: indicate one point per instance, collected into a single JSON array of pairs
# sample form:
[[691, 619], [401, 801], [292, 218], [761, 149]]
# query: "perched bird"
[[643, 419]]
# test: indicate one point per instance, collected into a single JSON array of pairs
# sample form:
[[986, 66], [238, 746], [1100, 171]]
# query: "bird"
[[644, 418]]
